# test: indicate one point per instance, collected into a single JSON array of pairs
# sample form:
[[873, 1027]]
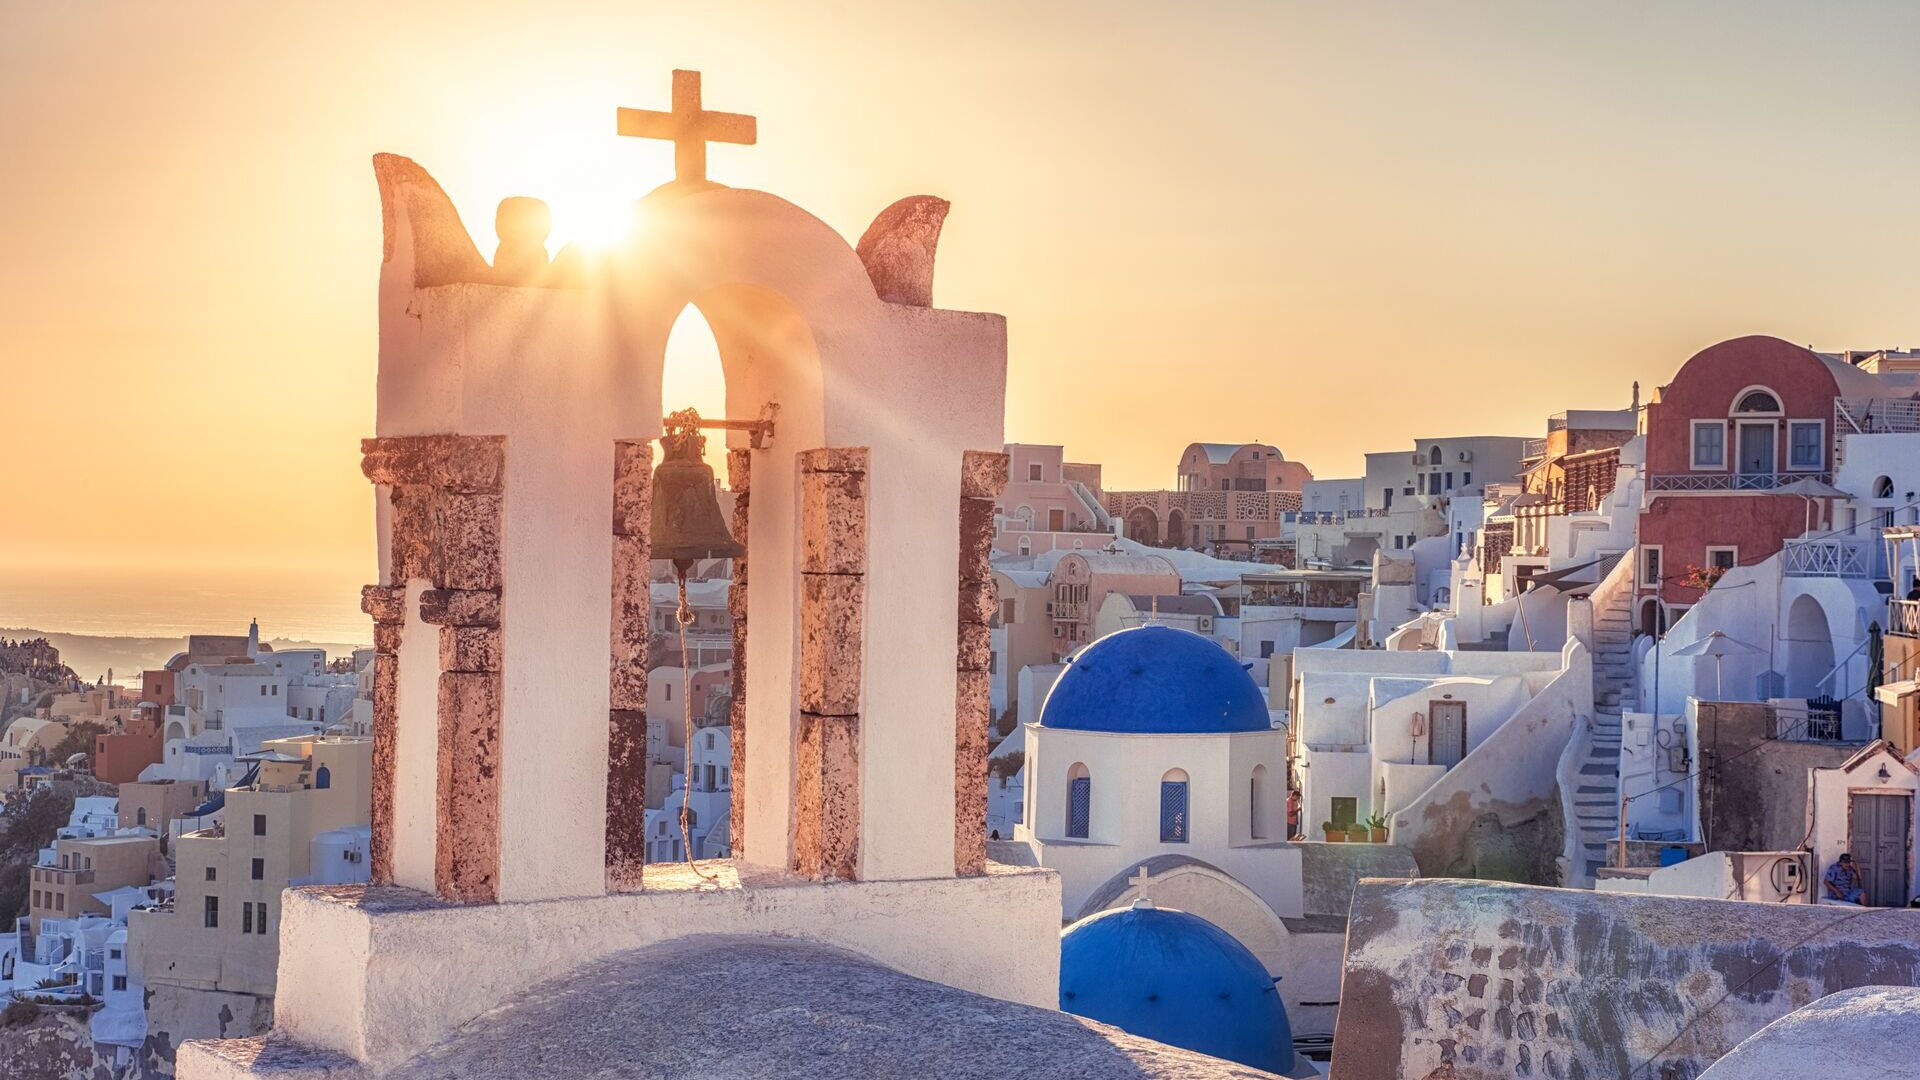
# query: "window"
[[140, 816], [211, 918], [210, 873], [276, 690], [263, 691], [1033, 471], [260, 919], [246, 918], [60, 901], [119, 982], [1345, 812], [1650, 566], [1266, 650], [1079, 802], [1056, 520], [669, 691], [113, 954], [1420, 482], [1174, 826], [259, 824], [1803, 444], [1257, 803], [1883, 488], [322, 778], [1449, 486], [259, 869], [1466, 478], [1722, 558], [1757, 401], [1709, 444], [1434, 456]]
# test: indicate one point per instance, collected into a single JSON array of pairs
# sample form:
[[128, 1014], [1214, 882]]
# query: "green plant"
[[1377, 821], [18, 1013]]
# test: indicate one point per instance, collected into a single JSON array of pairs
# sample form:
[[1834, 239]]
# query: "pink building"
[[1049, 503], [1227, 497], [1739, 420], [1081, 582]]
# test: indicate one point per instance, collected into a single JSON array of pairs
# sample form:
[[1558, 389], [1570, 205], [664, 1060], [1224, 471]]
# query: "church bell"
[[687, 522]]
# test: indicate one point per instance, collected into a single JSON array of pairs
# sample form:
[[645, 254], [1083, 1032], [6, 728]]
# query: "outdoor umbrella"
[[1717, 645], [1810, 489]]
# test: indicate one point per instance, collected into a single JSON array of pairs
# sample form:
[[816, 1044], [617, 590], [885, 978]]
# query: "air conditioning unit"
[[1418, 460], [1466, 455]]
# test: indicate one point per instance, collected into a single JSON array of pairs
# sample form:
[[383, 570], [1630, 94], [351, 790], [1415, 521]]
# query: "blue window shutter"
[[1079, 807], [1173, 811]]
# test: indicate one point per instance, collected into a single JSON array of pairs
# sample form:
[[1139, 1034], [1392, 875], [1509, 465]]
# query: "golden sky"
[[1329, 226]]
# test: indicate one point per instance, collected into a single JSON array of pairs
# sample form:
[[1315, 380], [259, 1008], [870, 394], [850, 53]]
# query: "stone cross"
[[1139, 881], [689, 127]]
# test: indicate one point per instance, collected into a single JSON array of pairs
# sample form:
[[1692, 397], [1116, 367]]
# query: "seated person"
[[1843, 881]]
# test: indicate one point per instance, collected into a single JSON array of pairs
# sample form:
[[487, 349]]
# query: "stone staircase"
[[1596, 800]]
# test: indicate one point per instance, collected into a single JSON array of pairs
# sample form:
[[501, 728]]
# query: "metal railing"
[[1829, 557], [1533, 449], [1725, 481]]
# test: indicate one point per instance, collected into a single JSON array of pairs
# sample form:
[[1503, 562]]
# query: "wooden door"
[[1447, 732], [1878, 824]]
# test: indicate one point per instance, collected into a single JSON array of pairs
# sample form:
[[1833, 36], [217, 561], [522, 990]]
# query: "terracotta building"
[[1740, 421], [1227, 496]]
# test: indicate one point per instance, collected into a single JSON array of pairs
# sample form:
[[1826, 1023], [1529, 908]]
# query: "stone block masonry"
[[444, 494], [1475, 980], [983, 475], [833, 589], [627, 665]]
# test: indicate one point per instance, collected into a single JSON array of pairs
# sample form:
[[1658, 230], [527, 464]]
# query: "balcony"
[[1724, 481], [1903, 618], [1533, 450], [1827, 558]]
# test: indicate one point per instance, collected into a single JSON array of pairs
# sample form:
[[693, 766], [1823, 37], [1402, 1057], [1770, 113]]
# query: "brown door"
[[1447, 732], [1879, 825]]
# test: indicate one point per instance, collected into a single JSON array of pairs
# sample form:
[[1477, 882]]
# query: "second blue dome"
[[1155, 680]]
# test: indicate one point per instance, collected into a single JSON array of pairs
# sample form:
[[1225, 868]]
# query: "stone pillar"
[[739, 476], [833, 595], [983, 476], [444, 494], [632, 628], [386, 605]]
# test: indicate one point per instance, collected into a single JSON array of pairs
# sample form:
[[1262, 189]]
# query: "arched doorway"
[[1143, 525], [1809, 649], [1176, 529]]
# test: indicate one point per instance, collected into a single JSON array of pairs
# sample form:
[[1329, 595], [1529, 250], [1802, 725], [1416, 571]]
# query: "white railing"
[[1873, 416], [1720, 481], [1827, 557], [1903, 617], [1533, 449]]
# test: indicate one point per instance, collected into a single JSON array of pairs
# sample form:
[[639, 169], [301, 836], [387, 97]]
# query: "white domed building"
[[1156, 771]]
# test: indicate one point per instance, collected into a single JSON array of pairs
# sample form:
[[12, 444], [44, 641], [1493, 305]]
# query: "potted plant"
[[1377, 826], [1334, 835]]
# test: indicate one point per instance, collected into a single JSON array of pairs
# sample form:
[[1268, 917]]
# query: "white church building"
[[1156, 770]]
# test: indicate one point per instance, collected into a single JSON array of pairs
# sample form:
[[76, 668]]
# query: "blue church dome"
[[1178, 979], [1155, 680]]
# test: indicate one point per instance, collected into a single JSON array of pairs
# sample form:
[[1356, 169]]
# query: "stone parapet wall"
[[1477, 980]]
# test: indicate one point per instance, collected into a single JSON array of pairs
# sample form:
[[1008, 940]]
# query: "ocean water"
[[296, 603]]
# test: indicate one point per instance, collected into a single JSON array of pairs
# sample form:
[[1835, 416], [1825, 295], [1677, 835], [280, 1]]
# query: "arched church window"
[[322, 778], [1883, 488], [1079, 802], [1257, 803], [1434, 456], [1758, 401], [1174, 827]]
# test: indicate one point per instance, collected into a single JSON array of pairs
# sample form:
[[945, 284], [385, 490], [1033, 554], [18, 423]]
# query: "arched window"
[[1026, 546], [1434, 456], [322, 778], [1883, 488], [140, 816], [1174, 826], [1079, 802], [1757, 401], [1257, 803]]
